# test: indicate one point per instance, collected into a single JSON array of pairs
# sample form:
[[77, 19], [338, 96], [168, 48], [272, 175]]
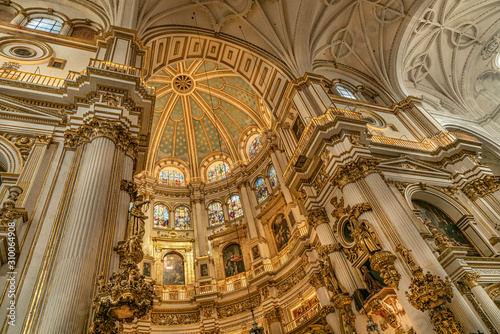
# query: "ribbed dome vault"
[[199, 103]]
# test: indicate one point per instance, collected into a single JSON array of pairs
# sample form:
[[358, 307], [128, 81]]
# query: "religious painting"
[[233, 260], [298, 128], [204, 269], [281, 232], [255, 252], [291, 219], [347, 232], [441, 220], [146, 269], [173, 269], [182, 218]]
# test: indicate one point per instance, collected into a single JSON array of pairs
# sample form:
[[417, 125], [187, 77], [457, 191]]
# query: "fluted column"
[[488, 305], [248, 210], [200, 227], [68, 303], [20, 17], [279, 173], [327, 309]]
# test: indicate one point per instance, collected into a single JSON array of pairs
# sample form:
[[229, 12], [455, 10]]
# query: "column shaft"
[[489, 306], [68, 303]]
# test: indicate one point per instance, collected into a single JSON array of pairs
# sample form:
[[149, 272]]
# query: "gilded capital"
[[383, 262], [326, 310], [328, 249], [482, 187], [470, 279], [42, 139], [354, 171], [342, 302], [316, 280], [273, 315], [317, 217]]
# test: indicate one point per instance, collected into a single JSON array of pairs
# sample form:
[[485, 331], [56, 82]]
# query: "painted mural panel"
[[173, 269], [233, 260], [281, 232]]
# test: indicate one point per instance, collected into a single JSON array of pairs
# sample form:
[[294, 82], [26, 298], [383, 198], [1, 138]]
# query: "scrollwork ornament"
[[383, 262], [316, 280], [273, 315], [42, 139], [326, 310], [24, 144]]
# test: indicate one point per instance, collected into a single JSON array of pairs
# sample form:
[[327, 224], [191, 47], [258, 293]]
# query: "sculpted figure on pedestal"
[[137, 218], [363, 235]]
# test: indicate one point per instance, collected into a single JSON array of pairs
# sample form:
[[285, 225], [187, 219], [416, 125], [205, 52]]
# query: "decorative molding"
[[470, 279], [482, 187], [317, 217], [353, 171], [383, 262]]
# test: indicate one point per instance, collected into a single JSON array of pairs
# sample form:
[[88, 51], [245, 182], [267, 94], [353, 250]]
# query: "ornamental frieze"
[[482, 187], [239, 306], [292, 280], [174, 317]]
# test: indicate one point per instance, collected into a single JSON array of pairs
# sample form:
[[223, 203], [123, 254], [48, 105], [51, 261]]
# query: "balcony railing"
[[106, 65], [324, 119], [309, 314], [428, 145], [232, 283], [36, 79], [173, 292]]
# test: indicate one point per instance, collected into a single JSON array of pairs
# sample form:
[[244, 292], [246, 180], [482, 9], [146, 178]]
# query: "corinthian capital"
[[317, 217], [470, 279]]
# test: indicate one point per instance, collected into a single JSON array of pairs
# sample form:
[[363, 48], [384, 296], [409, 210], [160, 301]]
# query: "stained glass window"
[[254, 147], [44, 24], [260, 187], [182, 218], [160, 216], [344, 92], [215, 214], [218, 172], [235, 209], [171, 177], [273, 178]]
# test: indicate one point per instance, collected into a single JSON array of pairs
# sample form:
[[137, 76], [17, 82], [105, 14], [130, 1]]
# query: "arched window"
[[215, 214], [45, 24], [173, 269], [441, 220], [273, 178], [218, 172], [160, 216], [344, 92], [182, 218], [254, 147], [235, 209], [281, 231], [261, 189], [233, 260], [171, 177]]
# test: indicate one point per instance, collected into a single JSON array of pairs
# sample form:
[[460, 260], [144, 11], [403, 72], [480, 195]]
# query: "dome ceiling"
[[202, 108]]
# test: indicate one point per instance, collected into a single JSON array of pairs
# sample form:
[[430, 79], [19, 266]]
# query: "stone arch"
[[10, 157]]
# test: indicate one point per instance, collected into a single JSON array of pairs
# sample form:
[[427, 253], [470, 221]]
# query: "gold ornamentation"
[[130, 187], [328, 249], [321, 180], [112, 100], [363, 235], [326, 310], [24, 144], [329, 277], [493, 290], [482, 187], [354, 171], [174, 318], [9, 212], [273, 315], [442, 241], [383, 262], [408, 258], [207, 310], [342, 302], [325, 156], [317, 217], [316, 280], [291, 280], [240, 306], [42, 139], [127, 295], [137, 218], [382, 309], [339, 207], [470, 279]]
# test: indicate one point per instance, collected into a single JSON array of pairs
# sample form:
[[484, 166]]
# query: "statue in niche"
[[371, 282], [137, 217], [330, 278], [363, 235]]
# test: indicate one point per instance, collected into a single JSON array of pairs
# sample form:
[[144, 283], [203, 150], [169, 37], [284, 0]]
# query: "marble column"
[[248, 210], [488, 305], [68, 303], [327, 309], [274, 318], [200, 227], [395, 224], [20, 17]]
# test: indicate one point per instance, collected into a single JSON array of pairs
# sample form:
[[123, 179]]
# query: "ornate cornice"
[[354, 171], [482, 187], [42, 139]]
